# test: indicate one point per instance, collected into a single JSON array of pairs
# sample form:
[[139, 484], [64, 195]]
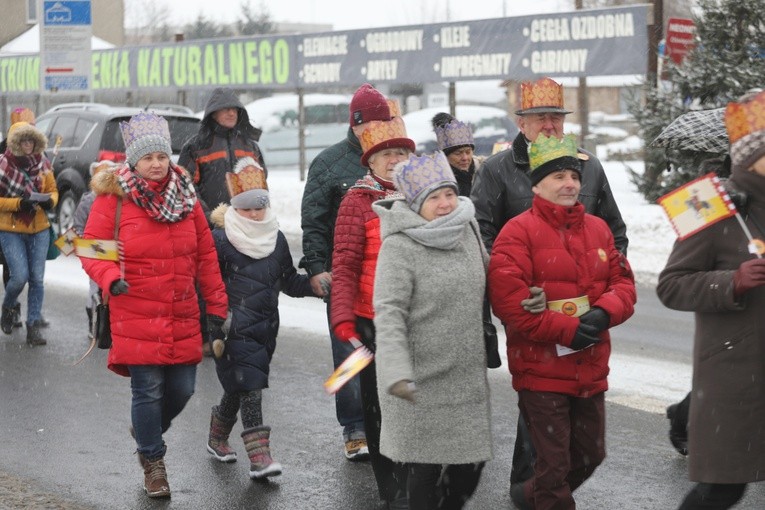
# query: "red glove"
[[750, 274], [345, 331]]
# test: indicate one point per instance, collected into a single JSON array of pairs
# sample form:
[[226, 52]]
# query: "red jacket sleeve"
[[347, 255], [208, 270]]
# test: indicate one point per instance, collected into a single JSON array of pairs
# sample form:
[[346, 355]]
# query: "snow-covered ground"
[[639, 382]]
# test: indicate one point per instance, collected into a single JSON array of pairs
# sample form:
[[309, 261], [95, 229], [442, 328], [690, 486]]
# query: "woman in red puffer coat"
[[166, 249], [354, 259]]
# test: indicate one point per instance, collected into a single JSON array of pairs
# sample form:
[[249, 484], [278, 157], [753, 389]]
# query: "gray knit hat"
[[145, 133]]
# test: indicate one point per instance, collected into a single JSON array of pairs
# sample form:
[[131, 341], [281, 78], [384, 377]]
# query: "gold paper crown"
[[745, 118], [543, 94], [249, 177], [383, 134], [545, 149], [22, 115], [395, 107]]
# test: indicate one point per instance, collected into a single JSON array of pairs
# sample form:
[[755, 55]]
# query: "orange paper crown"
[[22, 115], [383, 134], [395, 107], [745, 118], [543, 95], [250, 177]]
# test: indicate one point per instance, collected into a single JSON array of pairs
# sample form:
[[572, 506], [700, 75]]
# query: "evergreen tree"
[[203, 28], [728, 59]]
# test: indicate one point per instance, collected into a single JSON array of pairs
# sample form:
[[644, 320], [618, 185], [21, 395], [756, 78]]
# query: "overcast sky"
[[352, 14]]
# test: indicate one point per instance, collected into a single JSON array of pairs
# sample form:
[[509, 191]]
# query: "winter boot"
[[34, 337], [217, 443], [258, 445], [154, 477], [6, 320], [17, 316]]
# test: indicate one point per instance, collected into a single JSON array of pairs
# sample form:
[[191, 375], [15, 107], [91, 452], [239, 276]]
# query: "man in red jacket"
[[559, 358]]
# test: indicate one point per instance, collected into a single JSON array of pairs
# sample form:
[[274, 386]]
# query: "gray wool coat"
[[428, 317], [727, 414]]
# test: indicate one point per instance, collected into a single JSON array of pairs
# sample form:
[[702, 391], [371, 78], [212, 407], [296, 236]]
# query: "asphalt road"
[[66, 443]]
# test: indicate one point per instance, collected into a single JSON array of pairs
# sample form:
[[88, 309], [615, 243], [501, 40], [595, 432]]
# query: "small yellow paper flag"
[[697, 205], [353, 364], [102, 249], [65, 241]]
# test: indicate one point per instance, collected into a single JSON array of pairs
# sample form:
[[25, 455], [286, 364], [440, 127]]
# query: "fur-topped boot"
[[217, 443], [258, 445]]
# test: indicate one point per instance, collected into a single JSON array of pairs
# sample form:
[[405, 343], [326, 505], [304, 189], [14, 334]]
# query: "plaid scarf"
[[168, 202], [19, 177]]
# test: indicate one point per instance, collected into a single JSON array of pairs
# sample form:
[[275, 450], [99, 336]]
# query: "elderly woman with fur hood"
[[27, 191], [256, 265], [150, 205]]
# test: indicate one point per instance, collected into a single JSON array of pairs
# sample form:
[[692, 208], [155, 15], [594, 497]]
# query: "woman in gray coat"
[[431, 358], [718, 274]]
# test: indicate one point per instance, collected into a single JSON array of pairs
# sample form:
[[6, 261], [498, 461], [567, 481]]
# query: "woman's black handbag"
[[101, 330]]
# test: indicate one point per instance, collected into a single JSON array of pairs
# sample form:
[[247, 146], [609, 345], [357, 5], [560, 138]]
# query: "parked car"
[[88, 132], [489, 125], [326, 123]]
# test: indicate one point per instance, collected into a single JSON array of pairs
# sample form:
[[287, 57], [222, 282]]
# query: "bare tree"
[[147, 21], [254, 23]]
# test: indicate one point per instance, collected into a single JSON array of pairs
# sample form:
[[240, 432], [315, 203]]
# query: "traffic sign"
[[65, 46], [680, 38]]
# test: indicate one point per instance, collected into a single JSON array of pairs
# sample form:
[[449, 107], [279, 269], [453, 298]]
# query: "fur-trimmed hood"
[[106, 183], [16, 134], [218, 214]]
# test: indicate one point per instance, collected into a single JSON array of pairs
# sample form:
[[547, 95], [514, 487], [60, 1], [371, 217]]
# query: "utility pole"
[[582, 99], [655, 34]]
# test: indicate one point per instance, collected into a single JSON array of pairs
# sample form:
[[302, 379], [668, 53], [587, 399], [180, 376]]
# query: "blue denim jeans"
[[25, 256], [160, 392], [348, 407]]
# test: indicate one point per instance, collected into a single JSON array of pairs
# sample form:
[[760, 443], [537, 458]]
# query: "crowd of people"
[[412, 255]]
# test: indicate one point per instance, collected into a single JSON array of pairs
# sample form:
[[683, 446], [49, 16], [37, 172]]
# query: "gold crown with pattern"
[[383, 134], [745, 118], [542, 96]]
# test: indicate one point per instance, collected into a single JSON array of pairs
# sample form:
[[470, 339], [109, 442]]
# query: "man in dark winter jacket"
[[330, 175], [224, 136], [502, 190]]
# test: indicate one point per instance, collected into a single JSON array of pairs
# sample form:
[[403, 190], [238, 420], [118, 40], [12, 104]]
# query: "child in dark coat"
[[256, 264]]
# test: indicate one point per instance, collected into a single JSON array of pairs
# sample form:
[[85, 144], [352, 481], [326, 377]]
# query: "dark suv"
[[90, 132]]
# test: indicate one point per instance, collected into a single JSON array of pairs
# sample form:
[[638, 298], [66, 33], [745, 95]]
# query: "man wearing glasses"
[[502, 190]]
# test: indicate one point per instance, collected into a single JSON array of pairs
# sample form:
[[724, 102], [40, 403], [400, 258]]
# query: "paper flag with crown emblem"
[[101, 249], [65, 241], [697, 205], [353, 364]]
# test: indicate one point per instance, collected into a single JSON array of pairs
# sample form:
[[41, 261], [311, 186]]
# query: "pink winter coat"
[[569, 254], [157, 321]]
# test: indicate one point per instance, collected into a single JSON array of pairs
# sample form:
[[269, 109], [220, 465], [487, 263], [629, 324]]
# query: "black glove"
[[492, 345], [118, 287], [584, 337], [597, 317], [215, 327], [26, 205], [47, 205]]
